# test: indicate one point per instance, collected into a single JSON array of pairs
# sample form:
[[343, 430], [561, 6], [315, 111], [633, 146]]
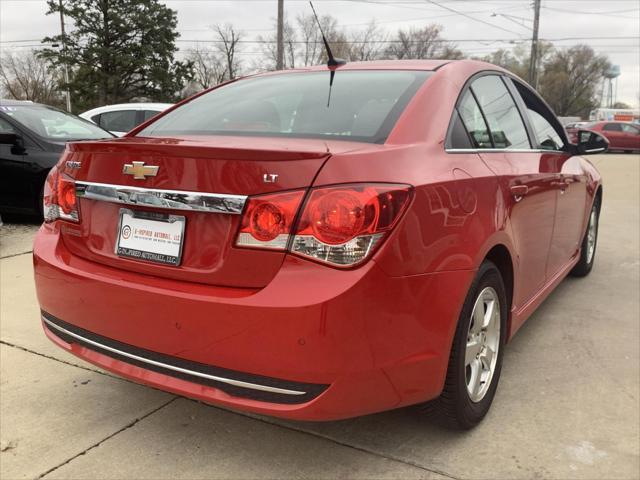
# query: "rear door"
[[571, 183], [528, 179], [631, 136], [613, 132]]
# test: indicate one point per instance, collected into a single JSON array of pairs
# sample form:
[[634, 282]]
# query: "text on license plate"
[[150, 236]]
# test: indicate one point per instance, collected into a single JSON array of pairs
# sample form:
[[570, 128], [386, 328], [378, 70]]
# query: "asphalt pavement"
[[567, 405]]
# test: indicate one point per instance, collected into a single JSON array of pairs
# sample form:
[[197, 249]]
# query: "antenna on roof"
[[332, 62]]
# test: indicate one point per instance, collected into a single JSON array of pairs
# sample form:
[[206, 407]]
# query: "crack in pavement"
[[16, 254], [328, 438], [265, 420], [97, 444], [44, 355]]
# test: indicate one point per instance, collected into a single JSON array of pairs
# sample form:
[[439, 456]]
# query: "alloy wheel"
[[483, 342]]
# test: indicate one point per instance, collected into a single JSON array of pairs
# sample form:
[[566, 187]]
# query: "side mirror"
[[589, 142], [13, 139]]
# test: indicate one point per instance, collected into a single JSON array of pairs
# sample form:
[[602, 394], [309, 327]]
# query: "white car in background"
[[120, 118]]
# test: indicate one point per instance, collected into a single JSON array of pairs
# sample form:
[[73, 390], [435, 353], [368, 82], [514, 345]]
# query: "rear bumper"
[[347, 343]]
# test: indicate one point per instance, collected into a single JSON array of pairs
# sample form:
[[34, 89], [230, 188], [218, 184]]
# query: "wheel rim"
[[483, 342], [592, 233]]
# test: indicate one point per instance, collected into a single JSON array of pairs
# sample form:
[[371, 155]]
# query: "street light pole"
[[64, 50], [533, 59], [280, 37]]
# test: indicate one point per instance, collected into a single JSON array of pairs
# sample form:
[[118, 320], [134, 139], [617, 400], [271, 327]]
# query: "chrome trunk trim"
[[166, 199]]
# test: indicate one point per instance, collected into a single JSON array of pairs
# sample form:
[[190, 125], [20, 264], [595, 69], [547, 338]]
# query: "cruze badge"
[[73, 164], [139, 170]]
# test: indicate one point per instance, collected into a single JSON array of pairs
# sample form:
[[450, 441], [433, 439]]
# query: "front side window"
[[630, 129], [612, 127], [543, 121], [548, 138], [5, 127], [364, 106], [506, 125]]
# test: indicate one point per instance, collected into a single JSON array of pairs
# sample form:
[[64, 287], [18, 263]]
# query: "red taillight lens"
[[341, 225], [344, 225], [66, 195], [336, 216], [59, 197], [268, 219]]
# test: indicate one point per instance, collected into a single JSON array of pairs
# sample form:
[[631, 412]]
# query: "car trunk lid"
[[222, 169]]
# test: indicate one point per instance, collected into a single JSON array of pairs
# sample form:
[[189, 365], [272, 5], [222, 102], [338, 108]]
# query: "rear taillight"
[[340, 225], [268, 219], [60, 197]]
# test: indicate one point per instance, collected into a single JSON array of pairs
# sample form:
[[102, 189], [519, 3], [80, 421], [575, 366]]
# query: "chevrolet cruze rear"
[[310, 251]]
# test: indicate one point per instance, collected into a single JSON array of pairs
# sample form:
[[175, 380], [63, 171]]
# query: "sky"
[[478, 27]]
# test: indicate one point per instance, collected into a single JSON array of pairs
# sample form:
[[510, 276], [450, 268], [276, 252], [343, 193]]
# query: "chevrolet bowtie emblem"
[[139, 170]]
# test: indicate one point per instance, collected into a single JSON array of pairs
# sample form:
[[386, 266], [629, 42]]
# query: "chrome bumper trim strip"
[[228, 381], [166, 199]]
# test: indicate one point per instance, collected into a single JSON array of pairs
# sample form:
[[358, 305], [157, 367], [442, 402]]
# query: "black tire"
[[585, 264], [454, 407]]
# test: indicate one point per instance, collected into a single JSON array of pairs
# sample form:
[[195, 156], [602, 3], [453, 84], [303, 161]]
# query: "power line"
[[470, 17]]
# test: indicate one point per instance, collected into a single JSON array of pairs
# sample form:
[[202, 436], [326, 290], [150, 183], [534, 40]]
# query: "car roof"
[[458, 69], [136, 106], [23, 103]]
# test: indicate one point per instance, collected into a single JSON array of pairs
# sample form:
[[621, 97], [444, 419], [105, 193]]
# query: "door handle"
[[562, 184], [519, 191]]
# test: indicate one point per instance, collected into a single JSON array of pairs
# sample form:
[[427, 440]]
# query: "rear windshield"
[[364, 106]]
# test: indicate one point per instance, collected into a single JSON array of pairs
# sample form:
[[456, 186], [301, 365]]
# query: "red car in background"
[[623, 136], [274, 246]]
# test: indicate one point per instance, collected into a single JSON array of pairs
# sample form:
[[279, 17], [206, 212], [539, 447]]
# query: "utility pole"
[[64, 50], [280, 39], [533, 60]]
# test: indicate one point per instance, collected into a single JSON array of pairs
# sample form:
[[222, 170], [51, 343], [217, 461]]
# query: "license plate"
[[150, 236]]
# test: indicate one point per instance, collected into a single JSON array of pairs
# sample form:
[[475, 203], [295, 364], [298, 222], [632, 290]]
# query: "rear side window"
[[630, 129], [474, 122], [120, 121], [459, 138], [505, 123], [612, 127], [147, 114], [364, 106]]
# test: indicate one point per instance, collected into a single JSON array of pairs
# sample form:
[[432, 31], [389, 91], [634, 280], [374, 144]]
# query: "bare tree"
[[425, 42], [27, 76], [367, 44], [269, 47], [208, 67], [228, 47], [312, 50]]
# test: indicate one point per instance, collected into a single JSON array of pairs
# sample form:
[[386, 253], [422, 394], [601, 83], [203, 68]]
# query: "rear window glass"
[[364, 106]]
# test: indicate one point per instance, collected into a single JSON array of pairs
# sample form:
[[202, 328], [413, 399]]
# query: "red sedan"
[[621, 135], [270, 247]]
